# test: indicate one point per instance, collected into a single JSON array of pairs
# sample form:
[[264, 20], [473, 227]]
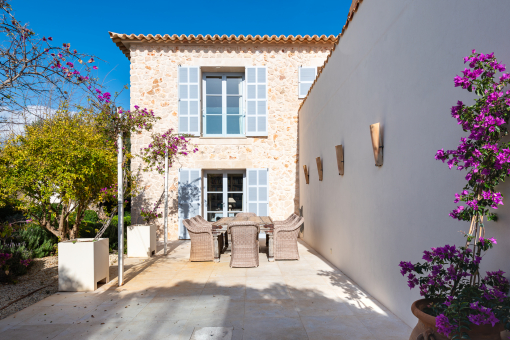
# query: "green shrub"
[[39, 240], [89, 229], [14, 264]]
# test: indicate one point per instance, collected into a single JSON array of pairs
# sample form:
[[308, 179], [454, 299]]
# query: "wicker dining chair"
[[288, 220], [246, 214], [202, 248], [245, 244], [203, 220], [285, 240]]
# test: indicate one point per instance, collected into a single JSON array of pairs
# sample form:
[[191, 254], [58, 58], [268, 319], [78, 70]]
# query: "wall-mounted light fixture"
[[340, 158], [307, 176], [377, 144], [319, 167]]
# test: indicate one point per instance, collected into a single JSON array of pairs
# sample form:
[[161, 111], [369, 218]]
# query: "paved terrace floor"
[[167, 297]]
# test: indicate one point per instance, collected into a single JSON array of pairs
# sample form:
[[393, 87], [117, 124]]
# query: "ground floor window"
[[223, 193]]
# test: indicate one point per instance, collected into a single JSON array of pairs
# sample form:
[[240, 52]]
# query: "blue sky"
[[85, 24]]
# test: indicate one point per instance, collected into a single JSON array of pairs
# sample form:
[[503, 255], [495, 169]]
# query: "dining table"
[[220, 231]]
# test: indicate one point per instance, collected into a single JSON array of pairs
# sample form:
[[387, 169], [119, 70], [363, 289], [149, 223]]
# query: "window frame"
[[224, 96]]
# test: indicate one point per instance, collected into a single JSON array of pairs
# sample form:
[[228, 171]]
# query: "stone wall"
[[154, 85]]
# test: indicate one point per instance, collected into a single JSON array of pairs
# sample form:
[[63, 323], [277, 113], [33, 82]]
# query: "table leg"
[[226, 240], [216, 246], [270, 254]]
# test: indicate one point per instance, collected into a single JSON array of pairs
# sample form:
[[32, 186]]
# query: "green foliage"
[[89, 229], [13, 267], [37, 239], [64, 157]]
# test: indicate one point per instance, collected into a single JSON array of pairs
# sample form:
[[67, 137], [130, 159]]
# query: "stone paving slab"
[[168, 297]]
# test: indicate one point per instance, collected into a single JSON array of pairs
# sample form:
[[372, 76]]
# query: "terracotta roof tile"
[[121, 39]]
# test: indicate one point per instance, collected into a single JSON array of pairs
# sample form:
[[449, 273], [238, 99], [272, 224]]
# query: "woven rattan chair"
[[289, 220], [201, 241], [246, 214], [245, 244], [202, 220], [285, 240]]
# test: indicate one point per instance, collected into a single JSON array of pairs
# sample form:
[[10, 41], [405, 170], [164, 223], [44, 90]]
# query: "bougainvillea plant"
[[165, 143], [458, 299], [450, 277], [150, 215]]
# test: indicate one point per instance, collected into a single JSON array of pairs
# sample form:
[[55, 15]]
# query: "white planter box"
[[82, 264], [141, 240]]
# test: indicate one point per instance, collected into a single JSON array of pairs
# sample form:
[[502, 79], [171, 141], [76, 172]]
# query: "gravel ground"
[[43, 272]]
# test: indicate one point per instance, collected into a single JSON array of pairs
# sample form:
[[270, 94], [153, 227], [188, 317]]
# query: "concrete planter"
[[141, 240], [82, 263]]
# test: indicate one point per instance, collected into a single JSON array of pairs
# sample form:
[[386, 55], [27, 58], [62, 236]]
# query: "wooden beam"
[[319, 167], [377, 144], [307, 176], [340, 158]]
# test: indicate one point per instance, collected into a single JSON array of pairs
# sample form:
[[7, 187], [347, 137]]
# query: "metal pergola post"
[[166, 201], [120, 201]]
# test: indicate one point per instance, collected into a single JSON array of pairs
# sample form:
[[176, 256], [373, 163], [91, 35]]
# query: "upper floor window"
[[306, 78], [223, 112], [225, 105]]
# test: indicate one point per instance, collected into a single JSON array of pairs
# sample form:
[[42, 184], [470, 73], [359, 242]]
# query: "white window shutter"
[[189, 196], [189, 100], [306, 78], [256, 101], [258, 191]]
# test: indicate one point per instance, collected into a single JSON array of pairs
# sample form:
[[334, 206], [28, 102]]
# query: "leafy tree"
[[56, 169]]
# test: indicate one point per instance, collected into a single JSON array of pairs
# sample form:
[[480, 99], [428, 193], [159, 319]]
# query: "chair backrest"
[[193, 226], [187, 225], [199, 221], [244, 234], [291, 218], [246, 214], [200, 218]]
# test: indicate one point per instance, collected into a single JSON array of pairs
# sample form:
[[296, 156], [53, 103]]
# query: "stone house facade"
[[239, 96]]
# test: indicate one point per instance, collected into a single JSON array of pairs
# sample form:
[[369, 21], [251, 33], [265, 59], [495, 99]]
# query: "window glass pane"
[[213, 217], [214, 202], [234, 85], [234, 125], [214, 182], [233, 105], [235, 182], [213, 105], [213, 85], [214, 124], [235, 202]]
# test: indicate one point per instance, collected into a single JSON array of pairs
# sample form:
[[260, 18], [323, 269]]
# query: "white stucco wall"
[[395, 65]]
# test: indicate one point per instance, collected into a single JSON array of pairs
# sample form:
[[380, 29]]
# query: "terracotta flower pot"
[[426, 327]]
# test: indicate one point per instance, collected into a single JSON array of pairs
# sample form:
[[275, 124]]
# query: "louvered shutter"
[[258, 191], [256, 101], [189, 197], [189, 100], [306, 78]]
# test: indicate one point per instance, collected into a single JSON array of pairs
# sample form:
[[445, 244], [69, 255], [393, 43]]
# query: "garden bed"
[[43, 273]]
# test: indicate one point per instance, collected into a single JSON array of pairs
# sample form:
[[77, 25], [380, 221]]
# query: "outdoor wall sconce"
[[319, 167], [377, 144], [340, 158], [307, 176]]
